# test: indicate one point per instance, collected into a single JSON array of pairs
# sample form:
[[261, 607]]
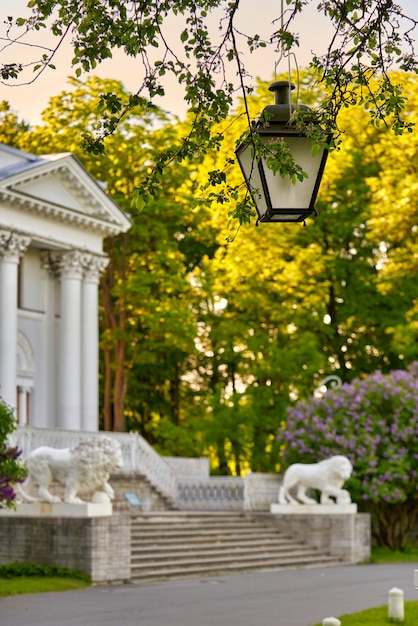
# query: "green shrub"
[[11, 470], [16, 570]]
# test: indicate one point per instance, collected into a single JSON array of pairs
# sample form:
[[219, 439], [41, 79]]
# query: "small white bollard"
[[331, 621], [416, 578], [395, 609]]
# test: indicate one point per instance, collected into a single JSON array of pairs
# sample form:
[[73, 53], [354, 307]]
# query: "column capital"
[[63, 264], [25, 389], [74, 264], [71, 264], [12, 244], [47, 263], [93, 266]]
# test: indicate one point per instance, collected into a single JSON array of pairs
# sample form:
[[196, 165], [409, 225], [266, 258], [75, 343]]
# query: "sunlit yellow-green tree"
[[287, 305]]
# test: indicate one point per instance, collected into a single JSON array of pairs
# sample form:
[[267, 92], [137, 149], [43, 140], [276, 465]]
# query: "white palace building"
[[53, 220]]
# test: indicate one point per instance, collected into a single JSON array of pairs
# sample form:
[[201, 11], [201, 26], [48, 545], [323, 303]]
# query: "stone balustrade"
[[138, 455], [212, 493], [183, 481]]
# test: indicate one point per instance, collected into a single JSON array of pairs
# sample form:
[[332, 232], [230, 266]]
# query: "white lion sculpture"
[[86, 467], [327, 476]]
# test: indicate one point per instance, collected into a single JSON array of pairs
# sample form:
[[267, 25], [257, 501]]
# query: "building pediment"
[[58, 188]]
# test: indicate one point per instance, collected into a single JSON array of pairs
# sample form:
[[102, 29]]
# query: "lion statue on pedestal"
[[86, 467], [327, 476]]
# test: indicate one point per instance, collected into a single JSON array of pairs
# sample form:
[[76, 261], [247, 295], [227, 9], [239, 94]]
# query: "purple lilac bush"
[[374, 422], [11, 470]]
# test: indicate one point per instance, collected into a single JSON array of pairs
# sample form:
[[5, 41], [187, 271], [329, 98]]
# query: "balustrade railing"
[[138, 455], [195, 491], [149, 463], [212, 493]]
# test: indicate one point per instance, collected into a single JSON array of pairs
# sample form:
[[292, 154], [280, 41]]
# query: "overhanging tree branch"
[[177, 38]]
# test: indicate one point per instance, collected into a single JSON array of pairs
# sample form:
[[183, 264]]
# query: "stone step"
[[164, 544], [182, 544], [203, 568], [224, 557], [197, 523], [184, 531], [203, 533], [175, 517], [192, 525], [181, 515], [259, 558], [139, 557]]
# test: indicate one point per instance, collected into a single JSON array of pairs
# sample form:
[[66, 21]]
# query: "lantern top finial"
[[281, 90], [282, 109]]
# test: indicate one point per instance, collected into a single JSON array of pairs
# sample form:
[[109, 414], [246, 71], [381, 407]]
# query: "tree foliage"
[[11, 128], [11, 470], [374, 422]]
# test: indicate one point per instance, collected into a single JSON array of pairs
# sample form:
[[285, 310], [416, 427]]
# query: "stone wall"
[[346, 536], [98, 546], [260, 490], [135, 482]]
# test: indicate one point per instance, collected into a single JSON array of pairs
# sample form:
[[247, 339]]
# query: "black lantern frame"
[[278, 198]]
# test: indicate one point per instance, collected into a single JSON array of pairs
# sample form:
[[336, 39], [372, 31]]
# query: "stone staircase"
[[170, 544]]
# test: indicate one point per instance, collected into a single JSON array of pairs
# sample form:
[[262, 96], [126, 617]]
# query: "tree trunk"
[[175, 395], [115, 377], [107, 391], [223, 463], [120, 385]]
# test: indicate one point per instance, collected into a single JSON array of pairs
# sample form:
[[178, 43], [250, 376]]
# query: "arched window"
[[25, 378]]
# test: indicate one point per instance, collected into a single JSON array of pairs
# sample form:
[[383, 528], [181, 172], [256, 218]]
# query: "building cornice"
[[59, 213], [91, 208]]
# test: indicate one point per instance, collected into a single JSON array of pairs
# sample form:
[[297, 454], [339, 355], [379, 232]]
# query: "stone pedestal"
[[99, 546], [313, 509], [61, 509], [336, 529]]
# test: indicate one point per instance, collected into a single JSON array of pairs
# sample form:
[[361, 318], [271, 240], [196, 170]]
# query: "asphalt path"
[[299, 597]]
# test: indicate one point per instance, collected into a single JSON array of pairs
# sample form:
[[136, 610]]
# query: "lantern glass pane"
[[252, 177], [283, 193]]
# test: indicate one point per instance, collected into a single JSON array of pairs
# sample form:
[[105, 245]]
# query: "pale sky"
[[255, 16]]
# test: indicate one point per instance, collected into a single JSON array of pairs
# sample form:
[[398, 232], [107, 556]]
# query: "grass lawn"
[[379, 617], [37, 584], [18, 578], [382, 555]]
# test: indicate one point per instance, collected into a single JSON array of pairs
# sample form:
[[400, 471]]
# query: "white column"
[[48, 383], [12, 247], [69, 366], [90, 343]]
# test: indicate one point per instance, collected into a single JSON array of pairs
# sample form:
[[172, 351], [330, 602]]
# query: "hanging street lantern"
[[278, 196]]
